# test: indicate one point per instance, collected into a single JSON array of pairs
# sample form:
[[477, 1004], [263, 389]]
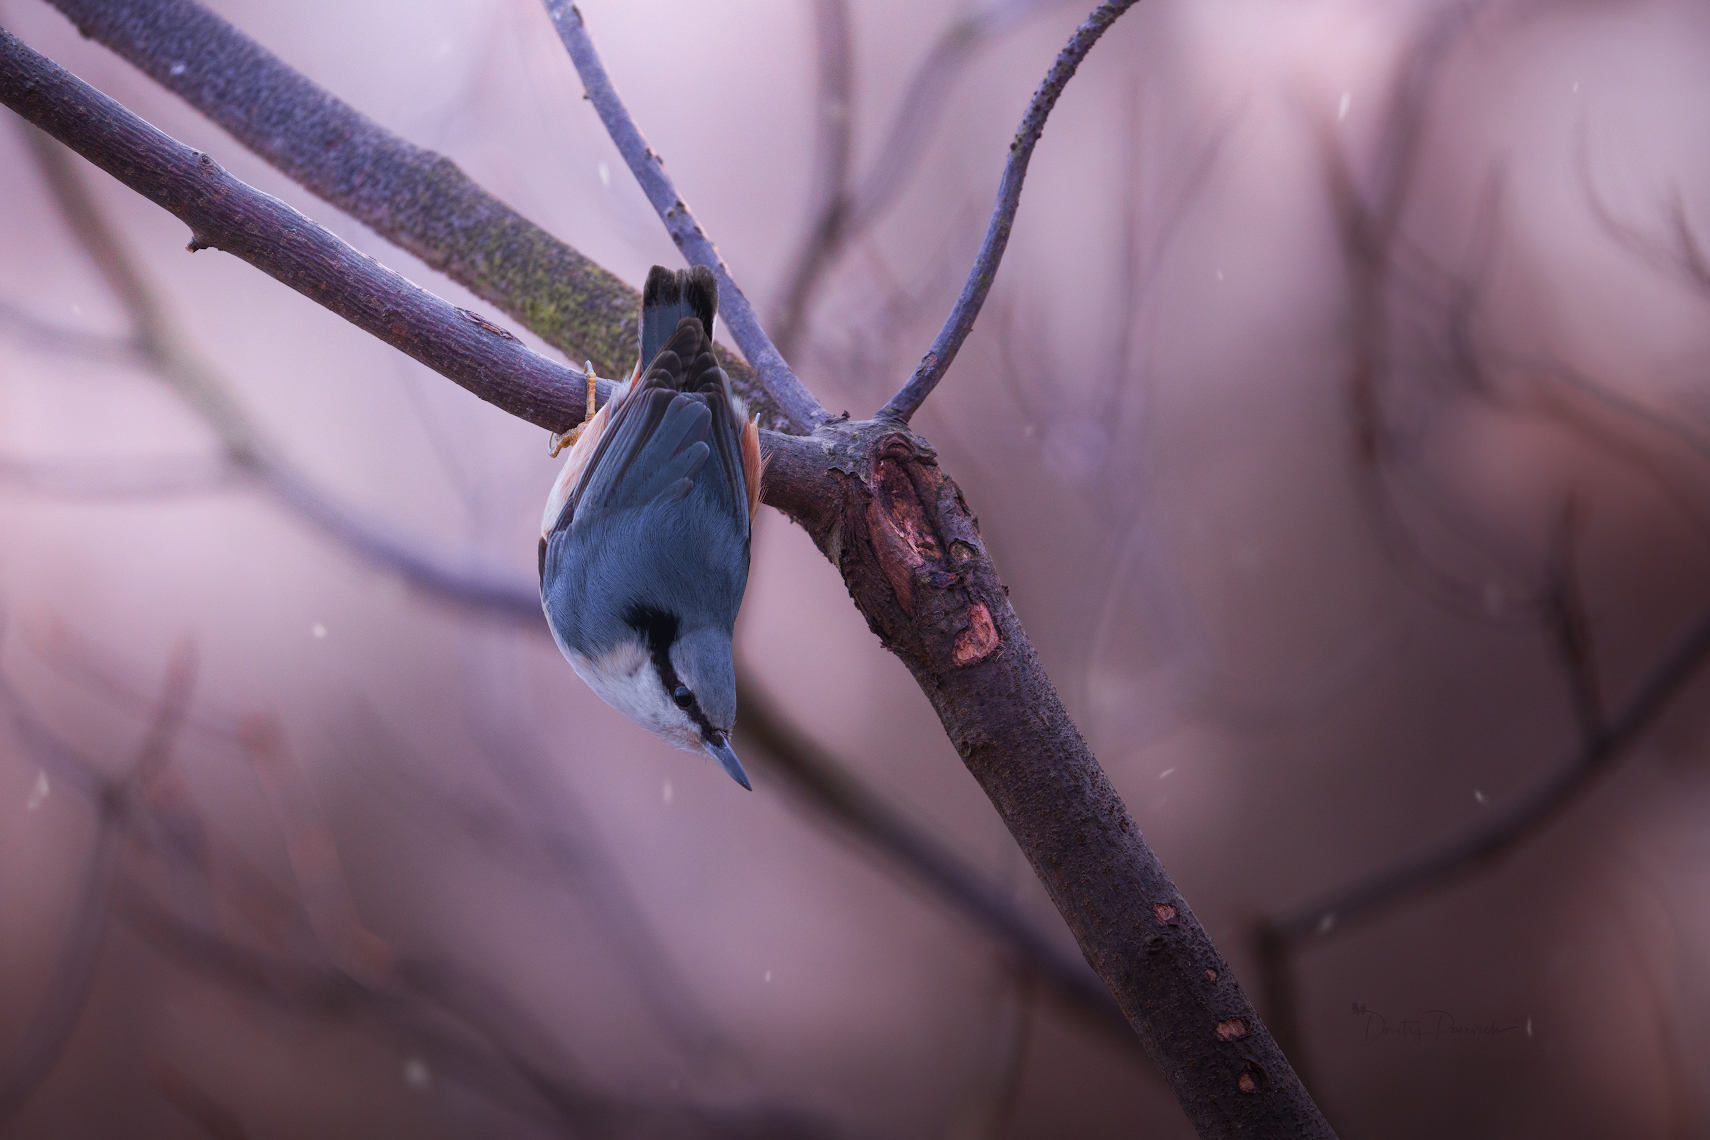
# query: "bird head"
[[679, 684]]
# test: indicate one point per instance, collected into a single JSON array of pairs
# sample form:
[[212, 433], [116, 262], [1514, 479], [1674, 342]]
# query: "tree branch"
[[793, 399], [834, 136], [44, 1039], [960, 322], [828, 787], [226, 213], [1486, 844], [410, 196], [843, 207]]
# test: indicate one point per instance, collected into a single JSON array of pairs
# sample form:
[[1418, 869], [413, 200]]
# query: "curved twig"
[[1501, 835], [960, 322], [44, 1039], [840, 217], [784, 386]]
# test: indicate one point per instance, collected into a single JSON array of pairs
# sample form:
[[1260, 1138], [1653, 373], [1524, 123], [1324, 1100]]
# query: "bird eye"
[[682, 696]]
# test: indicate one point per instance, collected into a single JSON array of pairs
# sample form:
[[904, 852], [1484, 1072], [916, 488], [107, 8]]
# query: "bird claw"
[[556, 441]]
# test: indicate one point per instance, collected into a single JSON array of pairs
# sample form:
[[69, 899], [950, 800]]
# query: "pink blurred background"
[[1296, 667]]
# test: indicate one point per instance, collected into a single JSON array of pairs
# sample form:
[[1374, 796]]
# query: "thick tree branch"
[[910, 551], [228, 214], [410, 196], [960, 322], [784, 386]]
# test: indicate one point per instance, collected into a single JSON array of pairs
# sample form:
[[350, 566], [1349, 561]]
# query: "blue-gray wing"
[[659, 518], [674, 430]]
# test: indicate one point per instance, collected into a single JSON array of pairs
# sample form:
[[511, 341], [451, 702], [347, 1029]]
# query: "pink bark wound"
[[902, 537], [979, 641], [912, 554], [1165, 912], [1231, 1030]]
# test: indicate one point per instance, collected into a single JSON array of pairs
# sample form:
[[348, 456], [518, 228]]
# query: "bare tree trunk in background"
[[871, 494]]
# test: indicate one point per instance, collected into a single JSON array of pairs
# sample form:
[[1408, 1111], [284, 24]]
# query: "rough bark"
[[897, 528]]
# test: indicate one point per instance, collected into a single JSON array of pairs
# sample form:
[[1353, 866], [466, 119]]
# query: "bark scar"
[[903, 538], [979, 641], [485, 325]]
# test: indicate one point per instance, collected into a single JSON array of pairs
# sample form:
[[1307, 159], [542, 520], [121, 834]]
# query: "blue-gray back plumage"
[[653, 543]]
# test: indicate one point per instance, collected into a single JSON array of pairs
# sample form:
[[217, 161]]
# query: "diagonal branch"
[[831, 790], [960, 322], [784, 386], [410, 196], [226, 213], [1503, 834]]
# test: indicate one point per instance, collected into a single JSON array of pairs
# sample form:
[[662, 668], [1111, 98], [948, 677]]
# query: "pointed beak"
[[718, 747]]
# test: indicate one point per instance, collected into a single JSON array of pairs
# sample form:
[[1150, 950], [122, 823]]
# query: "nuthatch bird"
[[644, 543]]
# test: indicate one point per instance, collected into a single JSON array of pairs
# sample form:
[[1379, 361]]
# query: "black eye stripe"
[[659, 628]]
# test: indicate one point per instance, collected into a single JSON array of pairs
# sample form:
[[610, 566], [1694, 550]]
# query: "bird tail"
[[670, 296]]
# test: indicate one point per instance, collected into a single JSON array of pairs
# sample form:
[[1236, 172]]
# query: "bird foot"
[[558, 442]]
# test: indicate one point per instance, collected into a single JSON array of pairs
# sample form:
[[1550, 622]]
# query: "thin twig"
[[784, 386], [44, 1039], [1511, 829], [37, 333], [829, 201], [841, 217], [829, 789], [1570, 624], [960, 322]]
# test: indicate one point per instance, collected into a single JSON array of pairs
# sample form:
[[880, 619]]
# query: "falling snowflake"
[[38, 793]]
